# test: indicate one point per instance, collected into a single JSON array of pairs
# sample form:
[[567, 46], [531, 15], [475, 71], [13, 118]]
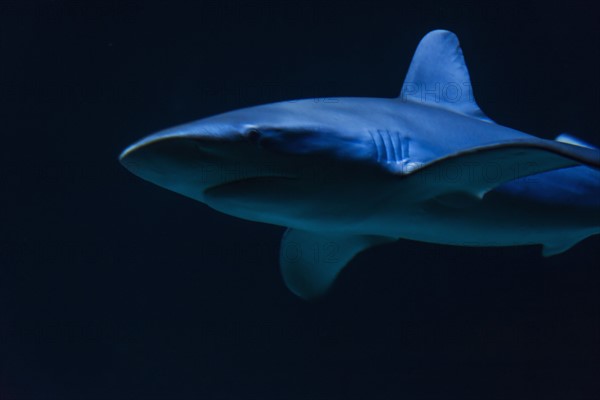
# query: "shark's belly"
[[502, 218], [498, 220]]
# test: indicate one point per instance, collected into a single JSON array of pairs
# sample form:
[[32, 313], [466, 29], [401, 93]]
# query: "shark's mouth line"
[[259, 180]]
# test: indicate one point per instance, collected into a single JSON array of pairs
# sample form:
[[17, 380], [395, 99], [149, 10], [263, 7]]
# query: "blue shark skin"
[[347, 175]]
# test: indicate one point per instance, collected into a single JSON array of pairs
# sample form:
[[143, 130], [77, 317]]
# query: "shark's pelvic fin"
[[569, 139], [310, 261], [564, 243], [438, 76]]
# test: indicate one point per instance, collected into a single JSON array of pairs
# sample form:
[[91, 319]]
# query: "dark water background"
[[112, 288]]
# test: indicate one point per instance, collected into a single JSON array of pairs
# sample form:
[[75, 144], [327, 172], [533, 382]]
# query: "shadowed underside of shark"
[[349, 174]]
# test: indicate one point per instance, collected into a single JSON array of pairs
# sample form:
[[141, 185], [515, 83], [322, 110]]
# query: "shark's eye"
[[253, 136]]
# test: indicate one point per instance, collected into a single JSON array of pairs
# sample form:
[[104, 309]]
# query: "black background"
[[112, 288]]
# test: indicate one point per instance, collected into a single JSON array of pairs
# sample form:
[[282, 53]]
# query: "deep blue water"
[[112, 288]]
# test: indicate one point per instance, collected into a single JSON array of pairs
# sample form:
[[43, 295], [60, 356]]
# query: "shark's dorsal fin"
[[438, 76]]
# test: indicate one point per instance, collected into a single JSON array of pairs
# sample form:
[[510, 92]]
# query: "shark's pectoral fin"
[[478, 170], [311, 261]]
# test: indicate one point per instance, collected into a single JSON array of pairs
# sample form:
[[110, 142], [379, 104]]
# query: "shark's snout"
[[193, 163], [180, 164]]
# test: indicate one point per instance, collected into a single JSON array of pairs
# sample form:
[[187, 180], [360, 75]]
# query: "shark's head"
[[259, 163]]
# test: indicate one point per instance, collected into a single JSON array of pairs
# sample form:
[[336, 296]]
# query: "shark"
[[351, 173]]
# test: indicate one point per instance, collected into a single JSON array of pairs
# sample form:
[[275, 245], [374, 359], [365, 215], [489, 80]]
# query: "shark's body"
[[346, 175]]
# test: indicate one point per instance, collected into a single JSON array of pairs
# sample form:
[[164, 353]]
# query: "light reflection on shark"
[[347, 175]]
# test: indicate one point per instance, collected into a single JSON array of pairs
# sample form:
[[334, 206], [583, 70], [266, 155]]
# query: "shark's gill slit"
[[375, 137], [387, 144], [396, 146]]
